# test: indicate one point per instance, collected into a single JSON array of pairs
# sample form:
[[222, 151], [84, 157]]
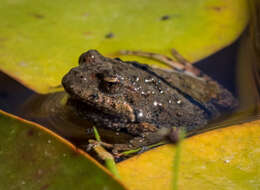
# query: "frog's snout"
[[74, 74], [72, 78]]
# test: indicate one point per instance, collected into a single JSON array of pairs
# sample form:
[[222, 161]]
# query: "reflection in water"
[[52, 111], [248, 65]]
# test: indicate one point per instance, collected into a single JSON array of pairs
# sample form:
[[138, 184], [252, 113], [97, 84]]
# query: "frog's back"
[[170, 98]]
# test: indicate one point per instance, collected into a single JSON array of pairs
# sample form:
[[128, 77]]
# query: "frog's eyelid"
[[111, 79]]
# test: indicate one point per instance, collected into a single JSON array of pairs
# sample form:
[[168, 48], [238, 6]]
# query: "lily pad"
[[33, 157], [226, 158], [41, 40]]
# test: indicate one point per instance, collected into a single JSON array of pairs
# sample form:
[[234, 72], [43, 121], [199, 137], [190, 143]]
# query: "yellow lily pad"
[[41, 40], [226, 158], [33, 157]]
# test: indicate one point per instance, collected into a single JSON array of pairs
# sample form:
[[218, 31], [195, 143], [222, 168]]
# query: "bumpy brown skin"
[[139, 99]]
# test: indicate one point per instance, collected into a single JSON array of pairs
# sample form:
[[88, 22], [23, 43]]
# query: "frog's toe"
[[120, 148]]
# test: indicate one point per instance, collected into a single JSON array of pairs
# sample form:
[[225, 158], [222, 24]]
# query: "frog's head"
[[99, 82]]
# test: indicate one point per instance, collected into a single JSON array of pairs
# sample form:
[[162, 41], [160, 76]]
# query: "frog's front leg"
[[146, 134], [135, 143], [182, 64]]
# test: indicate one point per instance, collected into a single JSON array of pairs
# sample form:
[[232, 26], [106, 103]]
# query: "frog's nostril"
[[80, 75]]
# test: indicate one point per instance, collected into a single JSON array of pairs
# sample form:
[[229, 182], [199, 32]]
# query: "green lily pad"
[[32, 157], [41, 40]]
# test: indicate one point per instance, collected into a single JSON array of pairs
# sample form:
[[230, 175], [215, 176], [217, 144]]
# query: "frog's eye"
[[109, 84]]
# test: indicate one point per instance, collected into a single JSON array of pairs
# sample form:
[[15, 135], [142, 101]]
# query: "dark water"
[[12, 94]]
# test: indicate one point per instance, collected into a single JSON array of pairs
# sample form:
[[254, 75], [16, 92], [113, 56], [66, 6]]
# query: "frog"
[[132, 97]]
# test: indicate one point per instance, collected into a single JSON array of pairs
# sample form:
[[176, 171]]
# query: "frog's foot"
[[100, 149], [103, 149], [181, 64], [116, 148], [92, 143]]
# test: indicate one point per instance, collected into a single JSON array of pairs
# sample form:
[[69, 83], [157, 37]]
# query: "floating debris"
[[165, 17], [110, 35]]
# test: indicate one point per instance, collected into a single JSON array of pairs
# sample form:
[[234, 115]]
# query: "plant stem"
[[97, 136], [105, 155], [125, 153], [111, 166], [177, 159]]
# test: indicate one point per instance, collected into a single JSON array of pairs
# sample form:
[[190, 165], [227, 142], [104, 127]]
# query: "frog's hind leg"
[[155, 56], [181, 64], [189, 68]]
